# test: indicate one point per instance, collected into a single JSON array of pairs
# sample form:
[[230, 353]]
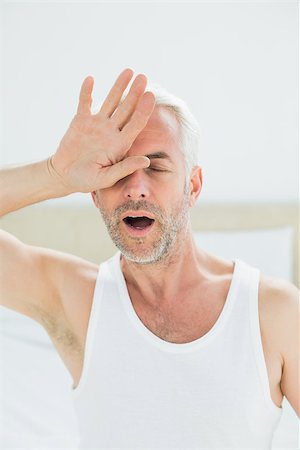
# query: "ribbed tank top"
[[138, 391]]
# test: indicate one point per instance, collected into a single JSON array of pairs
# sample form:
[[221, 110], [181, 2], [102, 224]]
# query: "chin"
[[145, 255], [142, 260]]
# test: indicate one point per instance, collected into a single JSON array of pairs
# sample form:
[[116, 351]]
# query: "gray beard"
[[170, 227]]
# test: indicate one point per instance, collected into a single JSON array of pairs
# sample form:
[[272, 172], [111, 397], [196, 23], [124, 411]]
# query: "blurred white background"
[[234, 63]]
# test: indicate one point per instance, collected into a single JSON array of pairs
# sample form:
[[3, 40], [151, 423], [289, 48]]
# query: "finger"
[[115, 94], [140, 117], [85, 96], [124, 168], [124, 111]]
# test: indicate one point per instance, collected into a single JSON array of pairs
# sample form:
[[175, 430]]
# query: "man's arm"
[[279, 309], [24, 185], [91, 156], [92, 153], [35, 281], [290, 344]]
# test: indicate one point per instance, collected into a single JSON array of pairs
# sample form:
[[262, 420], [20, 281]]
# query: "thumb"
[[124, 168]]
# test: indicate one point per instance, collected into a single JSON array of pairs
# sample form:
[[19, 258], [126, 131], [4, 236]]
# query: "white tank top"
[[138, 391]]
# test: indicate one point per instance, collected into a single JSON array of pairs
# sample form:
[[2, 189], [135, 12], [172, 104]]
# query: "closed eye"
[[158, 170]]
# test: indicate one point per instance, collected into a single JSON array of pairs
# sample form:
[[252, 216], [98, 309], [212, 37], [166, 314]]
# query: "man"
[[169, 346]]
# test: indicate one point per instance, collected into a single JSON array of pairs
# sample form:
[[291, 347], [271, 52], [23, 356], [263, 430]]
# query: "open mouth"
[[138, 222]]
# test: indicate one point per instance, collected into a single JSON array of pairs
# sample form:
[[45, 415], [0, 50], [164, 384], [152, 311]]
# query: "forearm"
[[24, 185]]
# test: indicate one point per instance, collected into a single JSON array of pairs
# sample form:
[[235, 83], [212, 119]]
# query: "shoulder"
[[73, 280], [76, 288], [279, 304], [278, 295], [46, 278], [278, 298], [69, 273]]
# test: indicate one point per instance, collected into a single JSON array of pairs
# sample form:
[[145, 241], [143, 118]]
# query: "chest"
[[193, 324], [180, 327]]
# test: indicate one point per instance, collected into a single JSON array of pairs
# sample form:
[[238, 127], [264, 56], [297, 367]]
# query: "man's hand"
[[91, 154]]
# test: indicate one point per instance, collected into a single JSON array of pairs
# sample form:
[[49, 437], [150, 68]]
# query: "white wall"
[[234, 63]]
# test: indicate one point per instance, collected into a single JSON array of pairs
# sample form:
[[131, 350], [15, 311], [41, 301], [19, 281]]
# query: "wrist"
[[57, 181]]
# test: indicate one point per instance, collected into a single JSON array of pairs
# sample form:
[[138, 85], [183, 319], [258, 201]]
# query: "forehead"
[[162, 130]]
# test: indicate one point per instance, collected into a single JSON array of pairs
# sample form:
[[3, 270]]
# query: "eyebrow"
[[159, 155]]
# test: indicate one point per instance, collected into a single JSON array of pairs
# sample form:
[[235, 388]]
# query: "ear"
[[195, 184], [95, 198]]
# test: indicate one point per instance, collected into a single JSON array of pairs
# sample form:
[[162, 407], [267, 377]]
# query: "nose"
[[136, 186]]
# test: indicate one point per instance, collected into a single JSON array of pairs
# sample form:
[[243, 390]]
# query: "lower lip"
[[138, 232]]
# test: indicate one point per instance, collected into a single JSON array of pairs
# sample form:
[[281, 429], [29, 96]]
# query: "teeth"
[[137, 217]]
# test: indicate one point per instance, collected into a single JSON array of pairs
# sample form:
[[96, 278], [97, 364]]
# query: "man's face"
[[147, 210]]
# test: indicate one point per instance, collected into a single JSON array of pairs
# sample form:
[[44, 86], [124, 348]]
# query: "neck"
[[162, 283]]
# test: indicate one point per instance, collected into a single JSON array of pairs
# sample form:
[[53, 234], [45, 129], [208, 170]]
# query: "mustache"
[[136, 205]]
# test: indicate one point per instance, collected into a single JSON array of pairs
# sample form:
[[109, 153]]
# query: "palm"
[[94, 144]]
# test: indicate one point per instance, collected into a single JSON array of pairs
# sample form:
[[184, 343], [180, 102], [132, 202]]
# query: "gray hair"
[[188, 125]]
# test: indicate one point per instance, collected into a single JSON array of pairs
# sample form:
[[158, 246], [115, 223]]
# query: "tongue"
[[140, 222]]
